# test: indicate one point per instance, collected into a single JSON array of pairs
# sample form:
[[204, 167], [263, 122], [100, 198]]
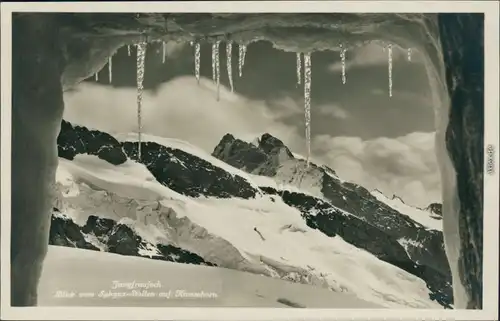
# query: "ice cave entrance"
[[90, 44]]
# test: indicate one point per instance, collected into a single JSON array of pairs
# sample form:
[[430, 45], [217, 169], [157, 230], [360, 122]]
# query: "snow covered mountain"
[[248, 207], [419, 232]]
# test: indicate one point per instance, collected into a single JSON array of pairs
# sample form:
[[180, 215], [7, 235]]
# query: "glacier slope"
[[287, 253]]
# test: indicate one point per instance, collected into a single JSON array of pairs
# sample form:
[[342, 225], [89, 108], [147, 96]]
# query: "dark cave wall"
[[37, 108], [462, 40]]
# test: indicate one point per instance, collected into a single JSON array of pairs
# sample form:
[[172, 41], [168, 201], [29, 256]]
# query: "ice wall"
[[37, 108]]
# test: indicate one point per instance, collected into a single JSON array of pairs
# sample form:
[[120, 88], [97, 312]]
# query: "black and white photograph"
[[304, 162]]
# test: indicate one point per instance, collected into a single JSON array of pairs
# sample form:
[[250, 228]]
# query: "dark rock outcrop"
[[239, 154], [332, 221], [187, 174], [359, 201], [74, 140], [182, 172], [65, 232], [462, 40], [114, 237], [436, 209], [263, 159]]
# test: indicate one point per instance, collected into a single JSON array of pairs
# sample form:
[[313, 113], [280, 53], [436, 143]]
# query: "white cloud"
[[180, 109], [405, 166], [423, 98], [371, 54], [378, 92], [286, 107], [334, 111]]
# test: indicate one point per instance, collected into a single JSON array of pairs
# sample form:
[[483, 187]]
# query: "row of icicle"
[[242, 49]]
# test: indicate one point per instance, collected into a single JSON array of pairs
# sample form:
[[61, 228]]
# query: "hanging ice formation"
[[97, 76], [214, 46], [342, 55], [299, 68], [242, 50], [141, 57], [110, 68], [164, 46], [307, 102], [229, 63], [409, 54], [197, 62], [342, 61], [217, 68], [389, 53], [128, 50]]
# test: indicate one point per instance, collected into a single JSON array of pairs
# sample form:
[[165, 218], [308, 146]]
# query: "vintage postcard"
[[254, 160]]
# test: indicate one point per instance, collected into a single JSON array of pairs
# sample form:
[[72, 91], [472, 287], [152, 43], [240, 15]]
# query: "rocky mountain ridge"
[[330, 205]]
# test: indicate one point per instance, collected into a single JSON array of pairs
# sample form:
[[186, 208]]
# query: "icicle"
[[244, 54], [242, 50], [240, 59], [217, 68], [128, 50], [164, 45], [307, 102], [110, 68], [342, 56], [389, 53], [197, 62], [141, 58], [97, 76], [409, 54], [229, 63], [299, 68], [214, 46]]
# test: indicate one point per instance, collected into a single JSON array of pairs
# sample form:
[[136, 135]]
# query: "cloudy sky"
[[357, 129]]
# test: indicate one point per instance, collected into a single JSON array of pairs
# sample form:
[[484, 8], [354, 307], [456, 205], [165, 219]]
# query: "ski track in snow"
[[343, 266]]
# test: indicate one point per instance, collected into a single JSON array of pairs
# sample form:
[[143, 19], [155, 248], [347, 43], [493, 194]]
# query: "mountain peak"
[[435, 208], [227, 138], [264, 156], [271, 145], [395, 197]]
